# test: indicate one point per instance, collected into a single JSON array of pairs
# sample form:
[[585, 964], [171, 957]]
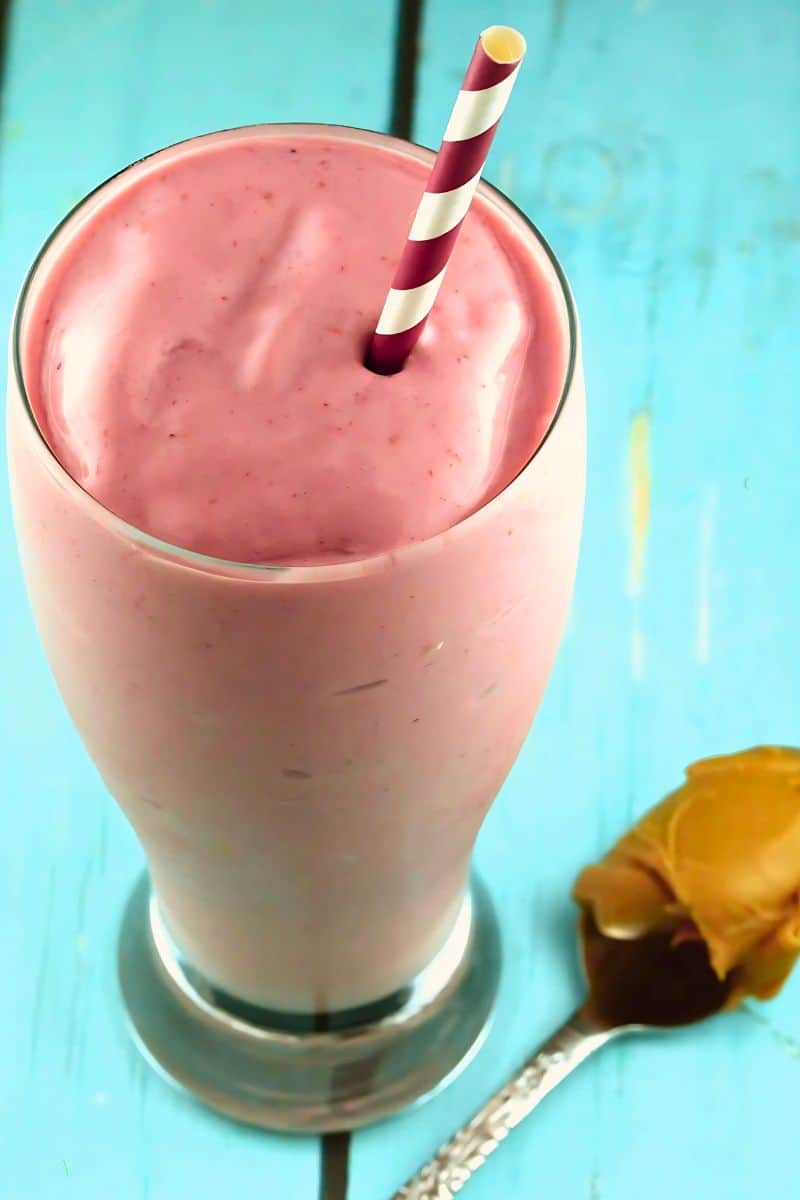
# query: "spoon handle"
[[458, 1160]]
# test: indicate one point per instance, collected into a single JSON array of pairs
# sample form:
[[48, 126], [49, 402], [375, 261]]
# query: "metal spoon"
[[634, 986]]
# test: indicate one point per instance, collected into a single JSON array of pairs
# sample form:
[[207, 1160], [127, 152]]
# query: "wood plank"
[[89, 87], [656, 146]]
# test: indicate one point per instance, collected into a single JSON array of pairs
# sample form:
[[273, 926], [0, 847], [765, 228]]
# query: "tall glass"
[[306, 755]]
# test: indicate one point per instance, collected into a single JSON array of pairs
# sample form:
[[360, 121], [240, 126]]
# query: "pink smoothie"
[[305, 753], [197, 357]]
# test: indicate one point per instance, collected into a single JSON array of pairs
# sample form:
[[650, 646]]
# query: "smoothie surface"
[[194, 357]]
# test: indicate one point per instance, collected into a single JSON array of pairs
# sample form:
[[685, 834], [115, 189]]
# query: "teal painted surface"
[[656, 145]]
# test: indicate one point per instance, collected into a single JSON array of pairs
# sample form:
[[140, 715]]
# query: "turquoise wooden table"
[[656, 145]]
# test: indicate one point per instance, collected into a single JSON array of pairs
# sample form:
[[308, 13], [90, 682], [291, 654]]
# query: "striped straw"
[[445, 202]]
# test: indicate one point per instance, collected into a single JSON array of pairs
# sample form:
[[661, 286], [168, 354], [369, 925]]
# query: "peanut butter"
[[717, 860]]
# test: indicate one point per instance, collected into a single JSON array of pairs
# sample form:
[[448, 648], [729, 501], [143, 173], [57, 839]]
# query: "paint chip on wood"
[[639, 497]]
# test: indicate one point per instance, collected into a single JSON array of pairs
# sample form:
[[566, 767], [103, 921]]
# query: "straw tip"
[[503, 44]]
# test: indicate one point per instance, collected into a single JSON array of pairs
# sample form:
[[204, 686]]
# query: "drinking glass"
[[306, 754]]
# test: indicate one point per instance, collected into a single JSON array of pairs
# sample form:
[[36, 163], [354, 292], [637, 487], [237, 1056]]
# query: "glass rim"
[[351, 567]]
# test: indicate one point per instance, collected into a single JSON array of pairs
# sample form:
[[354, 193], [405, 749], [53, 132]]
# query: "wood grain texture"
[[656, 145]]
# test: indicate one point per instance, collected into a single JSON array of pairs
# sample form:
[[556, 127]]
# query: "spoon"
[[635, 986]]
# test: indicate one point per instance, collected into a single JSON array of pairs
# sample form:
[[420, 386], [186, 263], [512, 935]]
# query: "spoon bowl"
[[649, 982]]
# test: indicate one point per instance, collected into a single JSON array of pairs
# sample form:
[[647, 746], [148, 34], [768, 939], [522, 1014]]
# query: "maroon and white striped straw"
[[445, 202]]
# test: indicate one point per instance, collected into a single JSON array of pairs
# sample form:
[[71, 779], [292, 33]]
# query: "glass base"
[[309, 1074]]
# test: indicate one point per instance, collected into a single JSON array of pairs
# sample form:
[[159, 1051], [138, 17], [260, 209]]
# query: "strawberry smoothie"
[[301, 614]]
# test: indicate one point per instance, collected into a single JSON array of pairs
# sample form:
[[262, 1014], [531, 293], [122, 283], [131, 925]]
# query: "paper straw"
[[445, 202]]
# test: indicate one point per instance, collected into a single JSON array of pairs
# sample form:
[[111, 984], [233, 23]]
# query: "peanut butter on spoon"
[[717, 861], [695, 908]]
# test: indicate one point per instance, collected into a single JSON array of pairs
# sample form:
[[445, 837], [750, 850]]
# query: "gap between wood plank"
[[5, 22], [334, 1166], [404, 80]]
